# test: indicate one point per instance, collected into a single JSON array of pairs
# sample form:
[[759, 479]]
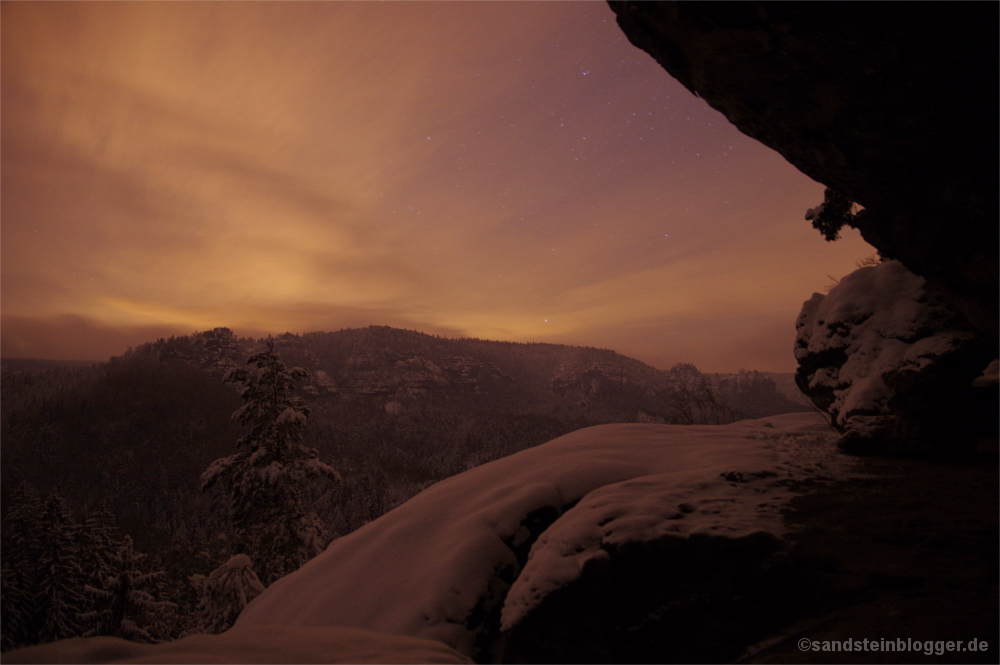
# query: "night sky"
[[514, 171]]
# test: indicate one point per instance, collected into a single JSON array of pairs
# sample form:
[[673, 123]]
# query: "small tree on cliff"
[[265, 479], [833, 214]]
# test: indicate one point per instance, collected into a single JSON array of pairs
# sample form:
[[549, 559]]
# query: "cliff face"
[[893, 106]]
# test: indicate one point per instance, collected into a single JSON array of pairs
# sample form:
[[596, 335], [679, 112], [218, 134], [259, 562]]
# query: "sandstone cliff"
[[892, 105]]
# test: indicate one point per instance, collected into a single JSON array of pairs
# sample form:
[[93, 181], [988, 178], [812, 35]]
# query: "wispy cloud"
[[505, 170]]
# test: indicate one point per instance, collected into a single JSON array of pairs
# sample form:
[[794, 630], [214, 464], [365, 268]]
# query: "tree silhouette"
[[829, 217]]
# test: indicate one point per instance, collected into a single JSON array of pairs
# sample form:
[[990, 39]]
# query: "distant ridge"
[[40, 364], [398, 370]]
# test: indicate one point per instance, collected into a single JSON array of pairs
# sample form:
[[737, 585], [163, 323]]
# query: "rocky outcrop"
[[582, 380], [389, 373], [893, 106], [405, 375], [321, 383], [892, 365], [471, 374]]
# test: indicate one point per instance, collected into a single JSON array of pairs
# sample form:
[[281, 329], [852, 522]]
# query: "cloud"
[[72, 337], [444, 167]]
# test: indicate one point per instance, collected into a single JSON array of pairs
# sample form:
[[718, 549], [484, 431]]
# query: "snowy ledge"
[[450, 560], [469, 561]]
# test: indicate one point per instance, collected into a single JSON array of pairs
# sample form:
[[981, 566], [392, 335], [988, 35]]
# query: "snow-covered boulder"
[[891, 363], [473, 558]]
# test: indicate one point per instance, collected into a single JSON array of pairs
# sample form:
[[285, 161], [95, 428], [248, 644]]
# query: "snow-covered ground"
[[433, 566], [258, 644], [438, 565]]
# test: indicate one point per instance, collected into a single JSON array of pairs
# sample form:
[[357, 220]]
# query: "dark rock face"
[[404, 375], [683, 600], [894, 106], [892, 365], [575, 378]]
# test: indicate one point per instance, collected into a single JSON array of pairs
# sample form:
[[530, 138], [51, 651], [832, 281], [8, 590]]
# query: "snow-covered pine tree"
[[19, 576], [225, 593], [59, 599], [97, 541], [265, 479], [62, 579], [122, 595]]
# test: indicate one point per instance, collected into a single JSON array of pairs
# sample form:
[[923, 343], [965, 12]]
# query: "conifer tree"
[[218, 349], [122, 594], [225, 593], [63, 579], [59, 599], [19, 577], [97, 542], [264, 481]]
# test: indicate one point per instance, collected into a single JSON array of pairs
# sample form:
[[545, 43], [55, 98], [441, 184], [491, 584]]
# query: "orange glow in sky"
[[513, 171]]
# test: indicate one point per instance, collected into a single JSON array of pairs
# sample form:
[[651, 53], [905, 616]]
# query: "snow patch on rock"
[[883, 319]]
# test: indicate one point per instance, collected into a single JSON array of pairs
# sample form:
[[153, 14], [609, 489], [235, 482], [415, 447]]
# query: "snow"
[[422, 569], [238, 563], [883, 318], [217, 468], [257, 644], [291, 415], [315, 467]]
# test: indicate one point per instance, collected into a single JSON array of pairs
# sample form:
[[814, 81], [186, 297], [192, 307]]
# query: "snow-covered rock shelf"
[[645, 519], [453, 564]]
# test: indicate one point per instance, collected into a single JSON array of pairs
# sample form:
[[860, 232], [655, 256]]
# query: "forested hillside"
[[393, 411]]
